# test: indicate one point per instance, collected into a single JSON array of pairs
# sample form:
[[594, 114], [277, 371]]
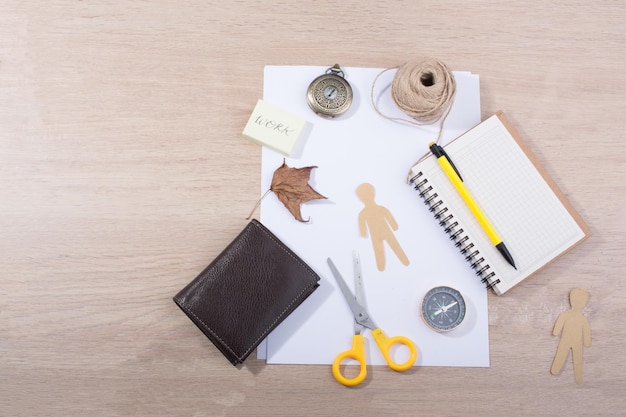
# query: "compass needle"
[[443, 308]]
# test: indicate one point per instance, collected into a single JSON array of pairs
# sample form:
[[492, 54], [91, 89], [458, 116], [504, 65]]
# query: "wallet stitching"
[[305, 266], [259, 338], [209, 329], [281, 245], [274, 322], [271, 325]]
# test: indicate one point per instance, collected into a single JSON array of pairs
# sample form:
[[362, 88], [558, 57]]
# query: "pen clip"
[[438, 151]]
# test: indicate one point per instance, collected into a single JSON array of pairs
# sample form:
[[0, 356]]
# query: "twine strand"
[[424, 90]]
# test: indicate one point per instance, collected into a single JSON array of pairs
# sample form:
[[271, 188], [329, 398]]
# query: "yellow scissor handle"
[[357, 352], [385, 343]]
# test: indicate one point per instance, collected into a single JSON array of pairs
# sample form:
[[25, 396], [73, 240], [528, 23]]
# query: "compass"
[[443, 308], [330, 95]]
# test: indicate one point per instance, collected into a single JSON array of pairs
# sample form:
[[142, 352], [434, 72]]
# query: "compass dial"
[[443, 308]]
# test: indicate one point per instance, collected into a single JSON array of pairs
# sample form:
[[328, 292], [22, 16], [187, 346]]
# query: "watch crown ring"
[[335, 69]]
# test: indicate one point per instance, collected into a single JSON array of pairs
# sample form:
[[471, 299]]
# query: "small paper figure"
[[575, 331], [380, 223]]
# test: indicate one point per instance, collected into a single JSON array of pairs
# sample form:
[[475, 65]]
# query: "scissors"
[[362, 320]]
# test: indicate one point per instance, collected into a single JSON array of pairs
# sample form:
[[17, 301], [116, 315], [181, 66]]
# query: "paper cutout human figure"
[[575, 331], [380, 223]]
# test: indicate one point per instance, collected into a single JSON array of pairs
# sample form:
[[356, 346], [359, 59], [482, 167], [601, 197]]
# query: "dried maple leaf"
[[291, 186]]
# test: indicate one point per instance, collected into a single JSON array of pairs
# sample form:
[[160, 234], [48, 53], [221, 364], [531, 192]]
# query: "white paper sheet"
[[361, 146]]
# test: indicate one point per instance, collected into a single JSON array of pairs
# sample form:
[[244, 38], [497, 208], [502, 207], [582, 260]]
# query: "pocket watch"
[[443, 309], [330, 95]]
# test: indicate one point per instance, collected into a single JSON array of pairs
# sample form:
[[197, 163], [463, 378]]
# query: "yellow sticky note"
[[274, 127]]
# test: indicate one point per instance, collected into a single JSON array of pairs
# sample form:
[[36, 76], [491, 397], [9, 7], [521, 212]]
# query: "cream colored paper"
[[274, 127]]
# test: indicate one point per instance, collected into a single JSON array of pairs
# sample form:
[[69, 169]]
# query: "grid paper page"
[[531, 220]]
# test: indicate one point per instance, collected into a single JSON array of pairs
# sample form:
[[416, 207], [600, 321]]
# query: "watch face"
[[329, 95], [443, 308], [331, 92]]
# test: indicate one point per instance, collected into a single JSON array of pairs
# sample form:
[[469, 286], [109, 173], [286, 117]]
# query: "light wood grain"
[[123, 172]]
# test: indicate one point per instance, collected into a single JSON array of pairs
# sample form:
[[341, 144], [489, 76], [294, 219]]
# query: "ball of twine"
[[424, 89]]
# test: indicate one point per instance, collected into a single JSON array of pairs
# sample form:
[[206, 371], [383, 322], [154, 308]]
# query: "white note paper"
[[362, 146]]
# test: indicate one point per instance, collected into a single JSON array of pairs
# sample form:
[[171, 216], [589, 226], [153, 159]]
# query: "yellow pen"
[[454, 176]]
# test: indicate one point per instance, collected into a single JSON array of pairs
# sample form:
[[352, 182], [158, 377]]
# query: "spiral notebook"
[[520, 199]]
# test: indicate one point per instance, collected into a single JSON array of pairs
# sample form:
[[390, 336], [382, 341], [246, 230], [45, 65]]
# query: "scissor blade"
[[360, 313], [358, 280]]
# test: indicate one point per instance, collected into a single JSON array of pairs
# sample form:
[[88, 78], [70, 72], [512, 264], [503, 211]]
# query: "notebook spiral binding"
[[452, 228]]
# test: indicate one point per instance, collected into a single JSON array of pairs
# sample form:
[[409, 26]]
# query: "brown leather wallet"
[[250, 288]]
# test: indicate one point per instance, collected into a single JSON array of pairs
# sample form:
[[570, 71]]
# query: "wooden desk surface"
[[123, 172]]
